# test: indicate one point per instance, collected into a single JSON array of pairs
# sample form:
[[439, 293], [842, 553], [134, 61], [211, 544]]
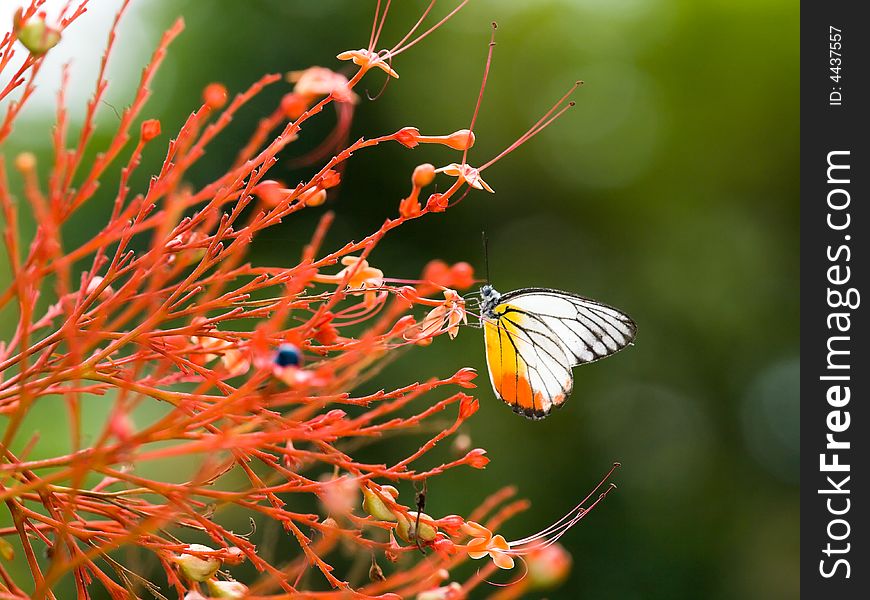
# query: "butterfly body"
[[534, 336]]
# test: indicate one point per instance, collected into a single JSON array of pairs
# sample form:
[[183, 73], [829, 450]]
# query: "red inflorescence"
[[227, 390]]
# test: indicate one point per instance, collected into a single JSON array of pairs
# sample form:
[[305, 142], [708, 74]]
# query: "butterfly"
[[533, 336]]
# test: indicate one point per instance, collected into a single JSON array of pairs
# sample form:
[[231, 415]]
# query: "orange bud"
[[410, 207], [409, 293], [121, 426], [423, 175], [392, 552], [329, 179], [408, 136], [460, 140], [270, 192], [234, 556], [465, 376], [444, 546], [313, 197], [150, 129], [25, 161], [467, 407], [402, 325], [451, 523], [293, 105], [326, 334], [215, 95], [462, 275], [476, 458], [548, 567], [437, 202]]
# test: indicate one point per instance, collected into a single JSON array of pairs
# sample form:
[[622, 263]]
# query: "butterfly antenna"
[[486, 255]]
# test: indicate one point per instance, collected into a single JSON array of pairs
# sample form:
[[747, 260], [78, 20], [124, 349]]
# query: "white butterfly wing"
[[589, 330], [538, 335]]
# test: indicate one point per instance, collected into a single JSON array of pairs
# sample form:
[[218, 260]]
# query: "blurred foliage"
[[670, 190]]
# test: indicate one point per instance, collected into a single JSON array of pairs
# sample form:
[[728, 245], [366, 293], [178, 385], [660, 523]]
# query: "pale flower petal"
[[502, 560], [476, 530]]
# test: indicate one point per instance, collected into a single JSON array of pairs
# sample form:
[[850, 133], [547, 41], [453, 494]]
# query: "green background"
[[670, 191]]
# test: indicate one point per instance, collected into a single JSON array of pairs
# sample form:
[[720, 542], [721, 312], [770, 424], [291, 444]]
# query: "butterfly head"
[[489, 297]]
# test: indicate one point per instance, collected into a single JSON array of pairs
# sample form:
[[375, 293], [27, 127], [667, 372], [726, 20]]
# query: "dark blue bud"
[[288, 356]]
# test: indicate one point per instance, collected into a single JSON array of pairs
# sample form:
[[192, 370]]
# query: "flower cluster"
[[229, 389]]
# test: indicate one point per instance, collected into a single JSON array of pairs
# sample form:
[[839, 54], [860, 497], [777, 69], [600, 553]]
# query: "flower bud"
[[7, 551], [329, 179], [437, 272], [293, 105], [476, 458], [462, 274], [34, 34], [390, 490], [437, 202], [95, 282], [236, 362], [448, 592], [226, 589], [464, 377], [375, 506], [313, 197], [451, 523], [410, 207], [215, 95], [270, 192], [461, 140], [409, 293], [402, 325], [392, 552], [444, 546], [25, 161], [423, 175], [408, 136], [121, 426], [338, 495], [150, 129], [409, 530], [461, 444], [326, 333], [234, 556], [548, 567], [375, 572], [467, 407], [196, 568]]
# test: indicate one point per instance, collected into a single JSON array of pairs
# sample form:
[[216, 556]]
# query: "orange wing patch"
[[509, 372]]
